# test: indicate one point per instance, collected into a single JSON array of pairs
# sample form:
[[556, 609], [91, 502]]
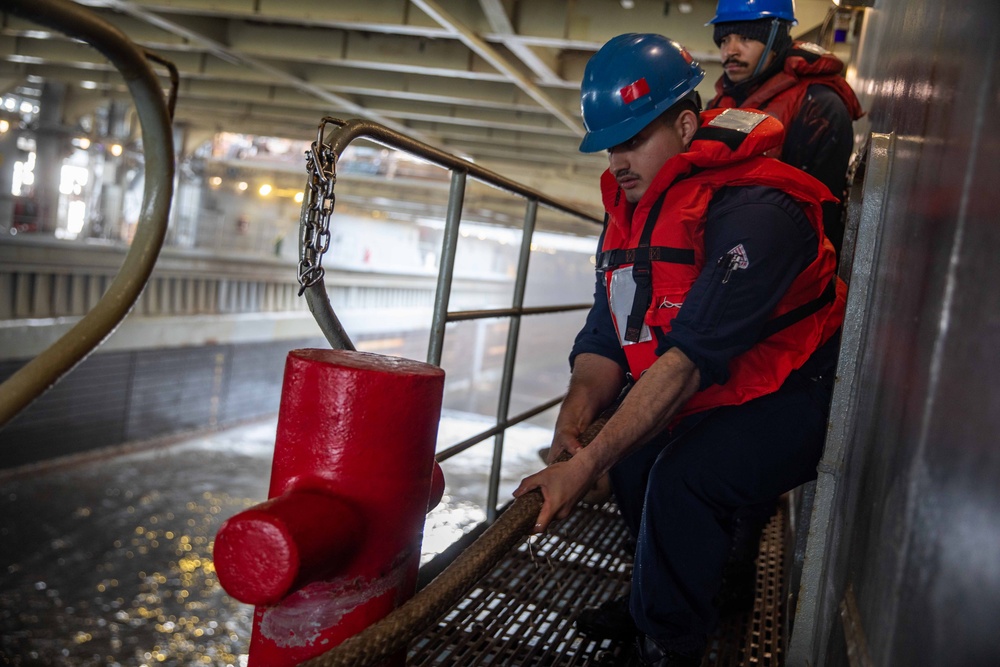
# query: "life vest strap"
[[612, 259], [642, 275], [800, 313]]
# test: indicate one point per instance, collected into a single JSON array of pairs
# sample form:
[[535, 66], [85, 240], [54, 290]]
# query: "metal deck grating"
[[524, 611], [755, 638]]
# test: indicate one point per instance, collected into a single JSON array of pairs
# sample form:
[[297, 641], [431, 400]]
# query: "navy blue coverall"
[[678, 493]]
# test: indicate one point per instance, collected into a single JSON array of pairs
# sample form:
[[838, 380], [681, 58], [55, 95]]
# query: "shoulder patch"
[[740, 120], [738, 257], [812, 48]]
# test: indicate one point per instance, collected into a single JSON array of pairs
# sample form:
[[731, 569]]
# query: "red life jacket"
[[781, 95], [661, 239]]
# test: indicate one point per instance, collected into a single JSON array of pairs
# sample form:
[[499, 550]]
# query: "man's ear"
[[687, 124]]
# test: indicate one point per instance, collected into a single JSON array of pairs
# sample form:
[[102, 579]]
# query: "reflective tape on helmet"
[[634, 91]]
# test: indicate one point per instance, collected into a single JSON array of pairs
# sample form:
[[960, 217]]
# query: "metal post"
[[446, 270], [507, 380]]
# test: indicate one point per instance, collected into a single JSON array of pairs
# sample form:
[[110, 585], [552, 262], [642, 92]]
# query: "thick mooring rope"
[[394, 632]]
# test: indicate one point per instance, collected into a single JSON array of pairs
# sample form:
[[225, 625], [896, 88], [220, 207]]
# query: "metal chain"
[[321, 165]]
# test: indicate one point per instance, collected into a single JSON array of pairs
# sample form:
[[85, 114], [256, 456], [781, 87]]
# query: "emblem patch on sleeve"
[[739, 257]]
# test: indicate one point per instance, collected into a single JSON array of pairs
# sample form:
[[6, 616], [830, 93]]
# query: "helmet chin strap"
[[775, 23]]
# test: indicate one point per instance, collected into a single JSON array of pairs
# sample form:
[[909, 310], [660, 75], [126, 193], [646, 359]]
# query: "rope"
[[394, 632]]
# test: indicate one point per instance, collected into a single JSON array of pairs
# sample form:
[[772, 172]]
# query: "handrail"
[[332, 145], [357, 128], [18, 391]]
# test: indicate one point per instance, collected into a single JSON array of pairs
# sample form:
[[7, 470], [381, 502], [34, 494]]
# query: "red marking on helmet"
[[687, 56], [634, 91]]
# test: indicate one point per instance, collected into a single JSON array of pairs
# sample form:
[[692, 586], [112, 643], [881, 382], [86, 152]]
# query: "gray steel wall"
[[919, 524]]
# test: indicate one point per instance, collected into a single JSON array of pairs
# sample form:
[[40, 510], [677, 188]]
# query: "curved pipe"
[[352, 129], [48, 367], [349, 130]]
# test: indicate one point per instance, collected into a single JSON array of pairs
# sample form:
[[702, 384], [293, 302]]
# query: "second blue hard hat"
[[629, 82], [728, 11]]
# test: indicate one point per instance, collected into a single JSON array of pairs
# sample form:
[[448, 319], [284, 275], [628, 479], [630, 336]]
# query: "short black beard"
[[742, 90]]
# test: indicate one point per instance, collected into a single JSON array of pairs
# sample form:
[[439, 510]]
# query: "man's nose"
[[617, 159]]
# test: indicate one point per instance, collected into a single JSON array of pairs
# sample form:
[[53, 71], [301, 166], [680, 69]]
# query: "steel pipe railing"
[[510, 354], [18, 391], [449, 246]]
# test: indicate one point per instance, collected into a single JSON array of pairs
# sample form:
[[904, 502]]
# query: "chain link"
[[321, 167]]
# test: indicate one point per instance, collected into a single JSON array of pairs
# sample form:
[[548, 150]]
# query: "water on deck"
[[108, 562]]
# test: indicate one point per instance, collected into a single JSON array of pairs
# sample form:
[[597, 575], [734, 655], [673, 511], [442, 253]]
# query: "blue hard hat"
[[728, 11], [629, 82]]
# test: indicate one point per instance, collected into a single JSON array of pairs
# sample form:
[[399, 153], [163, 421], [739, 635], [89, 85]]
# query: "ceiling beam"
[[501, 25], [488, 53], [227, 54]]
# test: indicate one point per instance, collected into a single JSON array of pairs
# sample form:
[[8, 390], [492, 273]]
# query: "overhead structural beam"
[[489, 54], [235, 57], [500, 23], [497, 17]]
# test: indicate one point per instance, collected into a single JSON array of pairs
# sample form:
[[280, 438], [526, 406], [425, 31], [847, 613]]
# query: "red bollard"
[[337, 545]]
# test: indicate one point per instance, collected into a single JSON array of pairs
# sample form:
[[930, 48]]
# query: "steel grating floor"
[[524, 611]]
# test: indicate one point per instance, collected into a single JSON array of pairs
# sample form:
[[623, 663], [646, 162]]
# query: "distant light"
[[89, 85], [686, 7], [9, 104], [265, 190], [4, 126], [299, 196], [628, 4], [84, 143], [242, 186], [116, 149], [215, 181], [26, 107]]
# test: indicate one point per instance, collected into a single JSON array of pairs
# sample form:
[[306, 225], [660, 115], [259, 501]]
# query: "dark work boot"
[[652, 654], [609, 620], [739, 576], [739, 589]]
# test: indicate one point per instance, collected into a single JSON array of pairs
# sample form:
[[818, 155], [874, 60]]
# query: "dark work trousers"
[[678, 495]]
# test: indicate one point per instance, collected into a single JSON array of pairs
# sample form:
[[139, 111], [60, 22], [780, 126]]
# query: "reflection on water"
[[109, 562]]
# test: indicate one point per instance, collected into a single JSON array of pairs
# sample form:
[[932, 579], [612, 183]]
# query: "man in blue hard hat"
[[717, 307], [798, 83]]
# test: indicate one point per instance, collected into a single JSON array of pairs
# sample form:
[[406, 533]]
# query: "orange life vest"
[[781, 95], [660, 241]]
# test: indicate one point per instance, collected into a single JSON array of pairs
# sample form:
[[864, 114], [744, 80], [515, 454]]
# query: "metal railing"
[[154, 115], [317, 208]]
